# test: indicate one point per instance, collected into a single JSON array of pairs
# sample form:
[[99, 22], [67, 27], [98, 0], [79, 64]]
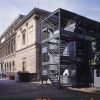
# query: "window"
[[12, 46], [8, 48], [10, 66], [24, 66], [13, 66], [5, 68], [30, 28], [23, 37]]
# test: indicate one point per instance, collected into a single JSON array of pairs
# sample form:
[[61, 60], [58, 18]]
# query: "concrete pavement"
[[11, 89], [90, 89]]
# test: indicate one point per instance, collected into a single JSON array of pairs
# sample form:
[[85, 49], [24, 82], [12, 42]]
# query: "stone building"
[[8, 48], [20, 43]]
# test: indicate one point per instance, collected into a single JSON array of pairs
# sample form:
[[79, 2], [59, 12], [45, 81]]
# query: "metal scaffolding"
[[67, 48]]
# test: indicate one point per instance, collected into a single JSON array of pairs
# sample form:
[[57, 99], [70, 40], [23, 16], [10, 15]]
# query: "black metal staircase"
[[77, 40]]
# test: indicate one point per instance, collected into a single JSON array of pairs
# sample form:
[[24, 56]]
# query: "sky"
[[10, 9]]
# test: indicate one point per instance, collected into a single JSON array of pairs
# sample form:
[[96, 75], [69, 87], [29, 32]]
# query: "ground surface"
[[11, 89]]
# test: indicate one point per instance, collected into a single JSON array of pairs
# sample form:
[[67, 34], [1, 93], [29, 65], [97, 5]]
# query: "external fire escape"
[[67, 48]]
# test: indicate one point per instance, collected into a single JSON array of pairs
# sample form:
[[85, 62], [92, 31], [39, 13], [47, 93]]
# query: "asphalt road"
[[11, 89]]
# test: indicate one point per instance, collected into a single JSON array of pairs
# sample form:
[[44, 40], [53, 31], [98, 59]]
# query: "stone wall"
[[27, 55]]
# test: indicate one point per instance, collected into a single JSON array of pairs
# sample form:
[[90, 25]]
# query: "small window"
[[30, 28], [24, 37]]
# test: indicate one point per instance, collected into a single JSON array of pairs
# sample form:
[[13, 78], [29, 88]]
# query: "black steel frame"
[[86, 32]]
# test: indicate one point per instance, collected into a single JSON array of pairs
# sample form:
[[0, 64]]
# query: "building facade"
[[8, 48], [21, 50]]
